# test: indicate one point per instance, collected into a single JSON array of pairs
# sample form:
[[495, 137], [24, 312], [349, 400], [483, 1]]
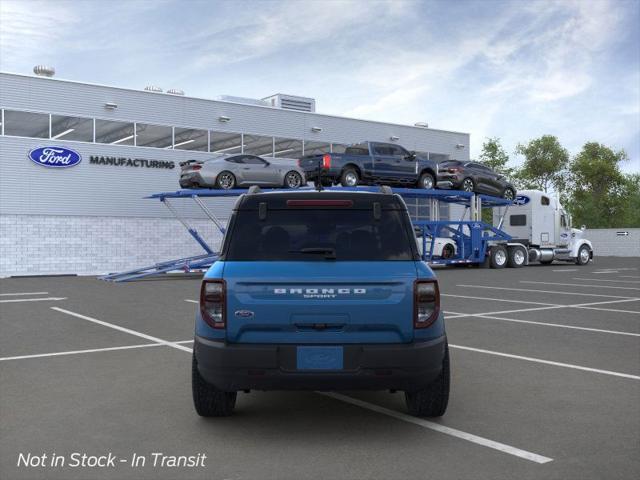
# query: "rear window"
[[359, 149], [317, 234]]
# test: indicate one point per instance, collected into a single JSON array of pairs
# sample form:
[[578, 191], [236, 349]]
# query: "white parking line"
[[629, 276], [22, 293], [45, 299], [469, 437], [191, 301], [123, 329], [546, 291], [90, 350], [605, 280], [548, 362], [581, 285], [497, 299], [566, 270], [546, 324]]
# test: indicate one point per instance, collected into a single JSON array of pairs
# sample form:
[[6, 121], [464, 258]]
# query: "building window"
[[287, 148], [71, 128], [115, 133], [258, 145], [26, 124], [316, 148], [156, 136], [191, 139], [227, 143]]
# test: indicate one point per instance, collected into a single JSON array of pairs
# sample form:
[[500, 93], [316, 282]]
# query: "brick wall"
[[43, 245]]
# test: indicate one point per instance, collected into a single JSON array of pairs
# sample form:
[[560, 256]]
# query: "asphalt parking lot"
[[545, 384]]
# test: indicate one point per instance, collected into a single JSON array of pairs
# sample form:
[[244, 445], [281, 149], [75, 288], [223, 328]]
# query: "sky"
[[510, 69]]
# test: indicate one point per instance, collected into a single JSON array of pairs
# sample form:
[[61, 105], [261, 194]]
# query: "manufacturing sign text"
[[130, 162], [55, 157]]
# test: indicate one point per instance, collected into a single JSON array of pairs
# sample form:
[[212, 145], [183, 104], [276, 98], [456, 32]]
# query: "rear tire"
[[448, 251], [431, 401], [499, 257], [468, 185], [293, 180], [349, 178], [517, 257], [225, 180], [427, 182], [509, 194], [208, 400]]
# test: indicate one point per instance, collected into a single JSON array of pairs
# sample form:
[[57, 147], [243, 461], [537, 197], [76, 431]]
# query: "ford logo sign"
[[521, 200], [243, 313], [55, 157]]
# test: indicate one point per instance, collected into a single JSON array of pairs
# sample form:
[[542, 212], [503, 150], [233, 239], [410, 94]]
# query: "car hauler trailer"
[[441, 242]]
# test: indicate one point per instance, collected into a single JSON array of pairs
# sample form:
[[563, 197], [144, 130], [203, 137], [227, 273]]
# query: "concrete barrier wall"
[[615, 242]]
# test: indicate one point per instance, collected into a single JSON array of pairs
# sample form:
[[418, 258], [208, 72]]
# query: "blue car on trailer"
[[320, 291]]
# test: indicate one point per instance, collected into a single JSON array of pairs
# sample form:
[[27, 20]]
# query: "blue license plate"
[[320, 358]]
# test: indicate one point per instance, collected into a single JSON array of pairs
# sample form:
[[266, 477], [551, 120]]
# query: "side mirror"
[[411, 156]]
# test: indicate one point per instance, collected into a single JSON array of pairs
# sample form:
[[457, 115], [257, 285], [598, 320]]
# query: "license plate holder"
[[319, 358]]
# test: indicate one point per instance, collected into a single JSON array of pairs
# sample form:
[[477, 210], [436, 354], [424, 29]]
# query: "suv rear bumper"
[[232, 367]]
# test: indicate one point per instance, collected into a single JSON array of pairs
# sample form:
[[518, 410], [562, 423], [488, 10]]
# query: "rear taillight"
[[213, 303], [426, 303], [454, 170], [326, 161], [196, 167]]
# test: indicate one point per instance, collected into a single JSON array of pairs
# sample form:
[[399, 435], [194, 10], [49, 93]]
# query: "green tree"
[[599, 194], [494, 156], [545, 164]]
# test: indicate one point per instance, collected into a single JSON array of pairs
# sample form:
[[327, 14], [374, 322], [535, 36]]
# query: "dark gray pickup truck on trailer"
[[369, 163]]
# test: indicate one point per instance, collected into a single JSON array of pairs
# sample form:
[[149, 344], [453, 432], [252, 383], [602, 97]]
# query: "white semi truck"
[[539, 225]]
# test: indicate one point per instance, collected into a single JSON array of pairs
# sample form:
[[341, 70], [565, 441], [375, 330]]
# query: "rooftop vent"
[[153, 88], [291, 102], [244, 100], [175, 91], [421, 124], [44, 71]]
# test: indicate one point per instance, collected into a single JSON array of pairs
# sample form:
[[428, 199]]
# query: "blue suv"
[[320, 291]]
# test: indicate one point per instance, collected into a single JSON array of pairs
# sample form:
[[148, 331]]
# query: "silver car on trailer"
[[243, 170]]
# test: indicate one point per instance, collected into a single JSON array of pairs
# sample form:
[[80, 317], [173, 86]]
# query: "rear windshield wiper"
[[329, 253]]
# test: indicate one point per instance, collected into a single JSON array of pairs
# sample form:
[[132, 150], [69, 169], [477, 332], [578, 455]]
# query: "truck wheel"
[[431, 401], [349, 178], [584, 255], [426, 181], [517, 257], [498, 257], [208, 400]]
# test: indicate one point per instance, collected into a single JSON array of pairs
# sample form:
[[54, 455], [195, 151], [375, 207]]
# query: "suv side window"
[[398, 151], [382, 150]]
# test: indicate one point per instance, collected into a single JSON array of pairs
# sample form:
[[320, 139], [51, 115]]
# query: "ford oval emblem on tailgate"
[[55, 157], [244, 313]]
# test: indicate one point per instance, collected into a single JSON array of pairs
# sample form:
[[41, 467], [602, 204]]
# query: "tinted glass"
[[518, 220], [238, 159], [71, 128], [26, 124], [251, 160], [351, 234], [191, 139], [397, 151], [157, 136], [114, 132], [287, 148], [450, 163], [227, 143], [544, 201]]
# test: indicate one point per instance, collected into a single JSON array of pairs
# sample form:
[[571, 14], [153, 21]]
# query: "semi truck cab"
[[540, 223]]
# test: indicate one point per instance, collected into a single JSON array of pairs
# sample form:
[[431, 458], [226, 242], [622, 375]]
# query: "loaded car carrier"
[[533, 228]]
